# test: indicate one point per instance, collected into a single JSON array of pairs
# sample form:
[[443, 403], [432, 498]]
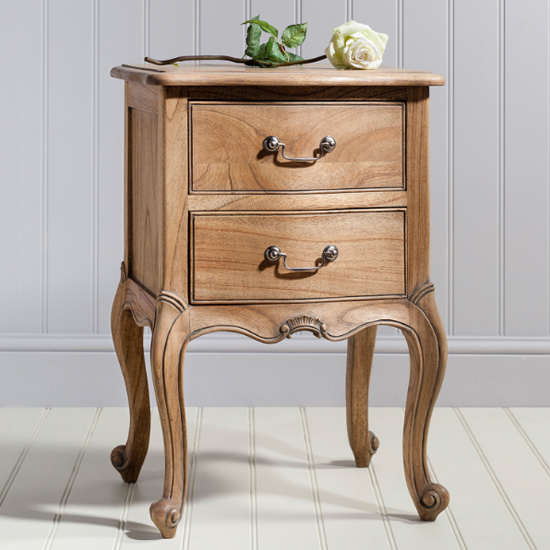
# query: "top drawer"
[[227, 154]]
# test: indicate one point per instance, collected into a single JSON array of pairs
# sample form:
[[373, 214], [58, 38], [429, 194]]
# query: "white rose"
[[356, 46]]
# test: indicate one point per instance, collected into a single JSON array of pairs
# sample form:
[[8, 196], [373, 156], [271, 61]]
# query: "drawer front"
[[227, 154], [228, 263]]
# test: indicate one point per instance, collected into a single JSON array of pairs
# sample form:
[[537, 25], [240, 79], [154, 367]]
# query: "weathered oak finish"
[[167, 355], [320, 74], [173, 172], [194, 249], [227, 154], [418, 189], [127, 331], [142, 98], [428, 350], [146, 202], [363, 443], [371, 260], [300, 201], [297, 93]]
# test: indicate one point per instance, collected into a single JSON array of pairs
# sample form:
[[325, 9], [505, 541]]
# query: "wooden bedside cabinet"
[[266, 202]]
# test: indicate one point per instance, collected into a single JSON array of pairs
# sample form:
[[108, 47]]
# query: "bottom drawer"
[[228, 264]]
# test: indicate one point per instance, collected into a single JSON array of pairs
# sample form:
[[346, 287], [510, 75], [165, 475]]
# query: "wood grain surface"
[[167, 357], [418, 188], [427, 343], [360, 354], [296, 201], [173, 176], [142, 97], [320, 74], [128, 341], [296, 93], [229, 265], [145, 201], [227, 152], [204, 202]]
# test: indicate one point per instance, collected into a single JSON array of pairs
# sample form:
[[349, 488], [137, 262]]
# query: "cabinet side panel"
[[144, 201]]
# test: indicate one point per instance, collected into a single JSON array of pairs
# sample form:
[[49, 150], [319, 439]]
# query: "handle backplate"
[[271, 144], [274, 254]]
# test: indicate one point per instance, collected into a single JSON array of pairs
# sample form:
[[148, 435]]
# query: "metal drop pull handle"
[[271, 144], [274, 254]]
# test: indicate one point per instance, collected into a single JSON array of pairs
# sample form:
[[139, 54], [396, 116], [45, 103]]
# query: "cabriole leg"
[[128, 341], [167, 355], [359, 364], [428, 350]]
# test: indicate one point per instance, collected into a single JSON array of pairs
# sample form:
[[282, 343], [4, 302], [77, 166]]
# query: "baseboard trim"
[[48, 379], [301, 343]]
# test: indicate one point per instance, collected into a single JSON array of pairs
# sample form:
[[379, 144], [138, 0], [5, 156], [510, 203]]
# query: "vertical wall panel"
[[382, 17], [425, 25], [171, 28], [220, 27], [64, 210], [69, 167], [20, 168], [321, 17], [120, 40], [476, 167], [526, 168]]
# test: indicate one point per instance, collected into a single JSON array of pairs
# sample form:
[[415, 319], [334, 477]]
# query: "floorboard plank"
[[409, 531], [33, 501], [458, 466], [138, 528], [90, 518], [272, 478], [285, 509], [524, 481], [351, 515], [221, 498], [534, 425], [18, 427]]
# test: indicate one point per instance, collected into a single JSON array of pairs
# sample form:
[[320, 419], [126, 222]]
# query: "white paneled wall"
[[61, 150]]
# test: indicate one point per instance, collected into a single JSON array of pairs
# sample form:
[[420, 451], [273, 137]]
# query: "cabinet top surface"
[[320, 74]]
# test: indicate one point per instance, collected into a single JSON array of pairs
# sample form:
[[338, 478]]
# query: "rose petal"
[[357, 46]]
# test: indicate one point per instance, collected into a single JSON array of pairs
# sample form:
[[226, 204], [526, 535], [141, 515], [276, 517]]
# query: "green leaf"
[[262, 55], [294, 57], [266, 27], [294, 35], [253, 38], [273, 51], [261, 52]]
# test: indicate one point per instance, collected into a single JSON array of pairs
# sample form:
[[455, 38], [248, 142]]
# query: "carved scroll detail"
[[128, 341], [173, 299], [420, 292], [303, 322], [137, 299]]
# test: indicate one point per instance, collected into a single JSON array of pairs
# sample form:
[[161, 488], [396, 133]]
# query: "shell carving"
[[303, 322]]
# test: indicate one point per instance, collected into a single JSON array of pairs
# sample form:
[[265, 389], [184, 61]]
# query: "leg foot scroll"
[[432, 501], [128, 341], [167, 355], [428, 350], [359, 364], [166, 515]]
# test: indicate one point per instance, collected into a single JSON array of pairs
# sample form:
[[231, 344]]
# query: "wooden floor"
[[275, 478]]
